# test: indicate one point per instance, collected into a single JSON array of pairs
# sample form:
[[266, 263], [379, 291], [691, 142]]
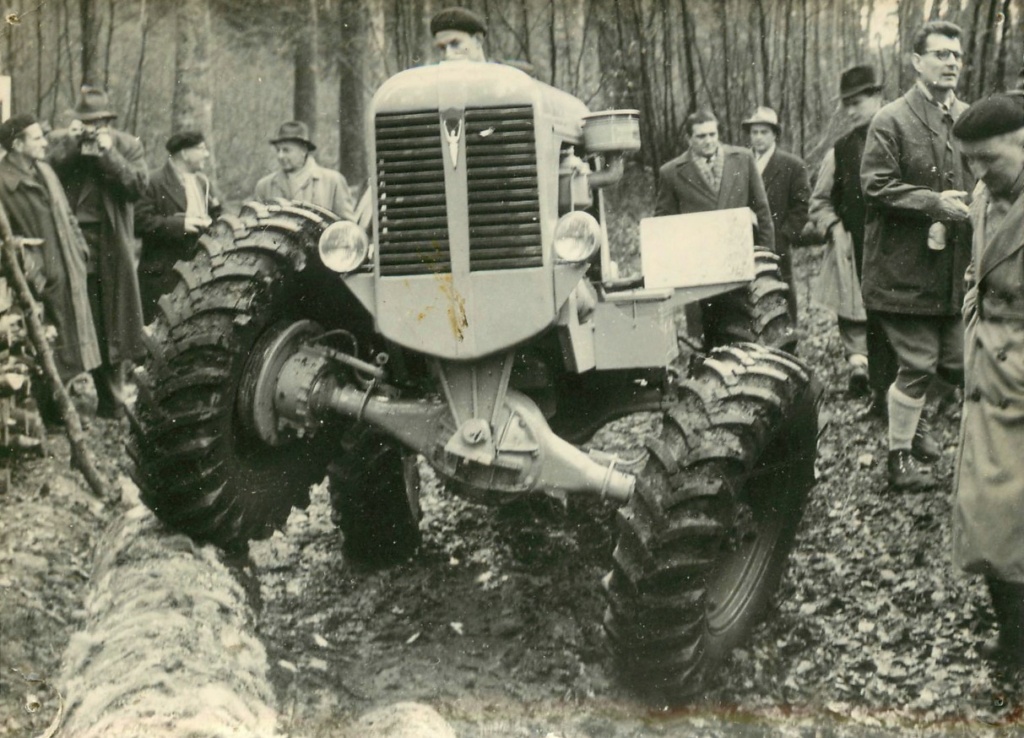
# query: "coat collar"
[[13, 177], [1006, 242], [686, 166]]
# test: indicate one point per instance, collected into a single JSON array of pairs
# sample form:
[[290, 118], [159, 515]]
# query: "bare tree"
[[307, 53], [91, 20], [351, 98], [192, 104]]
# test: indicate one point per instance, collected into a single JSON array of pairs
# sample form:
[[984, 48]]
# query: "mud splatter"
[[456, 305]]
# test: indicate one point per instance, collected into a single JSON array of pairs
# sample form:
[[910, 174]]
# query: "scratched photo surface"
[[444, 386]]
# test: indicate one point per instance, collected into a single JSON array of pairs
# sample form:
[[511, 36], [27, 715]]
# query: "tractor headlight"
[[343, 247], [577, 237]]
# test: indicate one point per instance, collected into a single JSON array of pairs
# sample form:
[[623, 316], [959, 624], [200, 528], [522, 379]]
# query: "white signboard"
[[697, 249]]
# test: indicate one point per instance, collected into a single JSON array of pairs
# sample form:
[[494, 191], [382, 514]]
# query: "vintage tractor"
[[479, 326]]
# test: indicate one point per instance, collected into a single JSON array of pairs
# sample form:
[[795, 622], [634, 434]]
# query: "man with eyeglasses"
[[917, 244], [179, 204]]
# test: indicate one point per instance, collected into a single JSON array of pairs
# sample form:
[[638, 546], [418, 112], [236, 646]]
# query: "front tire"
[[704, 540], [198, 460]]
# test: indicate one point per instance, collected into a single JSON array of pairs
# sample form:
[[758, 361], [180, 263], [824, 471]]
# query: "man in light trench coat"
[[988, 512]]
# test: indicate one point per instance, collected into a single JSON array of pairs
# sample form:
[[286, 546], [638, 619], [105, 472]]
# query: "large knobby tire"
[[704, 540], [374, 488], [197, 462], [758, 313]]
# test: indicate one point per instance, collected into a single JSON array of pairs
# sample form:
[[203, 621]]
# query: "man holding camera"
[[103, 171]]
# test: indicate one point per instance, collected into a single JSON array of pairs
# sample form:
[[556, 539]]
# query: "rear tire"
[[758, 313], [375, 499], [704, 540], [200, 467]]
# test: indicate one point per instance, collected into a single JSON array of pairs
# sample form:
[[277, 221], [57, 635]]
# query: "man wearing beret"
[[300, 177], [37, 208], [459, 35], [178, 205], [104, 173], [786, 184], [988, 509], [917, 244]]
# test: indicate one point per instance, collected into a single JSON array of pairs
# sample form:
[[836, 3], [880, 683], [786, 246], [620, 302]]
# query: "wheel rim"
[[255, 403], [737, 576]]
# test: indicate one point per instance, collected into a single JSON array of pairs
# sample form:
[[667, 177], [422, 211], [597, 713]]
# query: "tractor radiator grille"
[[504, 208]]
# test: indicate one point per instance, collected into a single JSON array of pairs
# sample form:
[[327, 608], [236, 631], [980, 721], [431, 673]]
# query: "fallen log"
[[168, 647]]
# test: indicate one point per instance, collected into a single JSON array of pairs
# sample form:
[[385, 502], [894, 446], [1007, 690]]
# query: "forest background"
[[238, 68]]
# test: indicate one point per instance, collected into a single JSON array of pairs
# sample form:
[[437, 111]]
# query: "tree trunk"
[[911, 18], [352, 98], [307, 51], [93, 73], [192, 104]]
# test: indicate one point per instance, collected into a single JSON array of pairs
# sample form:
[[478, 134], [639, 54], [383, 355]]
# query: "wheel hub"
[[258, 388]]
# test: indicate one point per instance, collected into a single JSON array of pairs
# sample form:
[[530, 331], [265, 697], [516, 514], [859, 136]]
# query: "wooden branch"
[[81, 459]]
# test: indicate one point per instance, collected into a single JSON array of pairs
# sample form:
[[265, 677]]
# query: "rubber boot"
[[1007, 648]]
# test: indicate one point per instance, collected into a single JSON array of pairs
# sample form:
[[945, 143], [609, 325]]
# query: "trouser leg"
[[1008, 604]]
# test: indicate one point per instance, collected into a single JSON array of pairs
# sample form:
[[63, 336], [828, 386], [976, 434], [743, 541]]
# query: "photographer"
[[103, 171]]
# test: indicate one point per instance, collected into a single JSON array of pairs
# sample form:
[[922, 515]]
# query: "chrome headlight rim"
[[577, 237], [344, 247]]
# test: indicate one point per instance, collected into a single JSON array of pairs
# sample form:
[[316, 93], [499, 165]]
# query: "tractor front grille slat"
[[501, 171]]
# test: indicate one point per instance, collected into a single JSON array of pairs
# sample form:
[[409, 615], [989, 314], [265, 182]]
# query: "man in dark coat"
[[917, 241], [37, 208], [988, 509], [838, 210], [787, 186], [179, 204], [103, 171], [708, 176]]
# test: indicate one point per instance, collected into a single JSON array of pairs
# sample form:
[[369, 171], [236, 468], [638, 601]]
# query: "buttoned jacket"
[[910, 156], [789, 192], [682, 189]]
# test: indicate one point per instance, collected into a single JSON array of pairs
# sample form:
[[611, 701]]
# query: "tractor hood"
[[465, 179]]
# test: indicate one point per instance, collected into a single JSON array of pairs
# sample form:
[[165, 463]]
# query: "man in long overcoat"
[[988, 510], [180, 203], [37, 208], [917, 243], [787, 186], [103, 171]]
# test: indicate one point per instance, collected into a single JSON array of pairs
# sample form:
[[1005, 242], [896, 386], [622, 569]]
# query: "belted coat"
[[910, 156], [988, 509]]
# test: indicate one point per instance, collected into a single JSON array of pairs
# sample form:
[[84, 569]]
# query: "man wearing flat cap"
[[988, 508], [459, 34], [786, 184], [37, 207], [179, 204], [104, 173], [300, 177], [917, 245], [838, 210]]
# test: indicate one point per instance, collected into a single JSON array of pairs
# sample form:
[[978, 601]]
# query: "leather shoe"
[[857, 384], [925, 447], [906, 473]]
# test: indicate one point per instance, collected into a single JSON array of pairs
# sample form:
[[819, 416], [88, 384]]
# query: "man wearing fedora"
[[838, 211], [917, 243], [459, 34], [179, 204], [787, 187], [300, 177], [103, 171]]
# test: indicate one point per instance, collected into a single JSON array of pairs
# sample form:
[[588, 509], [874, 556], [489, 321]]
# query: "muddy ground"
[[496, 623]]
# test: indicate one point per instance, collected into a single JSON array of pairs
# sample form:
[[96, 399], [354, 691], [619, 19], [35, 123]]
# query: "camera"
[[88, 144]]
